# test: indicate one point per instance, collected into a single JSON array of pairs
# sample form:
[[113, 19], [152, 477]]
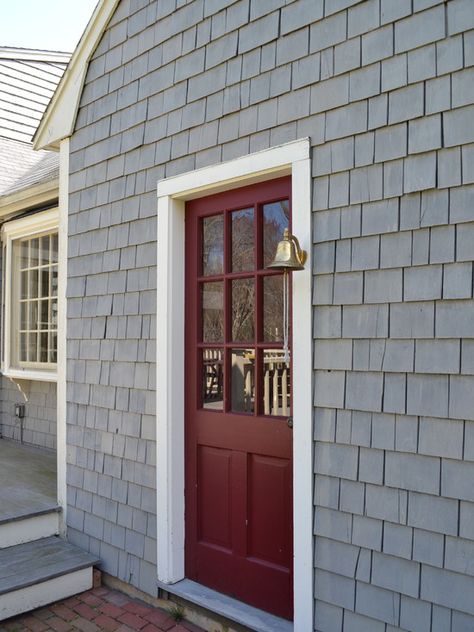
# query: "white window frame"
[[289, 159], [25, 227]]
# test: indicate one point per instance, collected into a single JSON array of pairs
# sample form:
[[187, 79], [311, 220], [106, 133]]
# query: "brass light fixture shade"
[[289, 255]]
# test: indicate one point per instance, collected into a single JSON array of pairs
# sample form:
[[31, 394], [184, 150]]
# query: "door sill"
[[227, 607]]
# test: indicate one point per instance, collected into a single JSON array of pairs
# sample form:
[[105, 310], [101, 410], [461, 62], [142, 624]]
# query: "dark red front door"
[[238, 398]]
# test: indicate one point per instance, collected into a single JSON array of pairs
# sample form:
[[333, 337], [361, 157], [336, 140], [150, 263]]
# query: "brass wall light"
[[289, 257]]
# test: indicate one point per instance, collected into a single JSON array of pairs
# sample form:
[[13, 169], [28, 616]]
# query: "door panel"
[[238, 397]]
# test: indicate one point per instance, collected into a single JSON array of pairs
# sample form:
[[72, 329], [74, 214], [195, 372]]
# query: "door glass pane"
[[242, 240], [213, 379], [275, 220], [243, 310], [213, 245], [273, 308], [242, 380], [276, 383], [213, 311]]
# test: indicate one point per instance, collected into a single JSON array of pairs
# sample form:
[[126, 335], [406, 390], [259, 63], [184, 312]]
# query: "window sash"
[[34, 301]]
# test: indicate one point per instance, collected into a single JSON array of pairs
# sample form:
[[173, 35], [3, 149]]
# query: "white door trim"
[[292, 158]]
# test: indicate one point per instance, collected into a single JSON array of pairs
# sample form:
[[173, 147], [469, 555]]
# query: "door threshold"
[[227, 607]]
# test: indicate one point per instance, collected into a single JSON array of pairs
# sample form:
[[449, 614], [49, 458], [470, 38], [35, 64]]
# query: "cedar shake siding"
[[385, 91]]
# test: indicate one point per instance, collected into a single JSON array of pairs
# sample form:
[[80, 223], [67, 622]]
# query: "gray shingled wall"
[[39, 423], [385, 90]]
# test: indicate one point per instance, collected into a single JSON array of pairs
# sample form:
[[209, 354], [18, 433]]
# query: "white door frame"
[[289, 159]]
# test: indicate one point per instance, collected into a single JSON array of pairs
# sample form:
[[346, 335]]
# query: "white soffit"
[[60, 116]]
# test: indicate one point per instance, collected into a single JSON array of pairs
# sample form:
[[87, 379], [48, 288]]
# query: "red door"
[[238, 398]]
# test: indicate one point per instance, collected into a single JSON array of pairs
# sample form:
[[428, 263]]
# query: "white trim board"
[[292, 158]]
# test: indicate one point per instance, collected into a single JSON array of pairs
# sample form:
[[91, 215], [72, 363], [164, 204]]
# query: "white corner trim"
[[292, 158], [61, 399], [59, 118]]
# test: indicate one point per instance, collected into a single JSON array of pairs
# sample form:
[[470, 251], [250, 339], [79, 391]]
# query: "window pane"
[[24, 285], [32, 346], [213, 379], [213, 245], [23, 352], [23, 315], [44, 250], [276, 383], [273, 308], [54, 248], [54, 280], [34, 252], [33, 315], [33, 278], [242, 240], [243, 310], [43, 346], [213, 311], [242, 380], [44, 275], [275, 220], [24, 255], [44, 315], [54, 314], [53, 345]]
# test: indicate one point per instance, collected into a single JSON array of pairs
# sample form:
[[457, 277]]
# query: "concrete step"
[[41, 572], [27, 527]]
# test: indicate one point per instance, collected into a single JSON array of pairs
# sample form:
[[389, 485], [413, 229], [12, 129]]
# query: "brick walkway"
[[97, 609]]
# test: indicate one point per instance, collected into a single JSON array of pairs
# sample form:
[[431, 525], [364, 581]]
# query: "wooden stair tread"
[[27, 564], [5, 519]]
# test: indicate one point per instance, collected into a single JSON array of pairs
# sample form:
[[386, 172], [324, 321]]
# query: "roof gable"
[[28, 79], [60, 115]]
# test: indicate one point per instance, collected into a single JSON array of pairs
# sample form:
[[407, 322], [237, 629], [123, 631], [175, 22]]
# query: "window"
[[30, 254]]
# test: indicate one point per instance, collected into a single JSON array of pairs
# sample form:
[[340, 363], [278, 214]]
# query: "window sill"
[[31, 374]]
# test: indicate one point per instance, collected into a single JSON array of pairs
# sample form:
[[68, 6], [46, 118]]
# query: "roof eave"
[[29, 197], [59, 118]]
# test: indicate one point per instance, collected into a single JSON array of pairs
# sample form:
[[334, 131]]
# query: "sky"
[[54, 25]]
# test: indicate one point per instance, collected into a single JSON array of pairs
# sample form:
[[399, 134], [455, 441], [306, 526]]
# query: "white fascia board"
[[60, 115], [32, 54], [38, 195]]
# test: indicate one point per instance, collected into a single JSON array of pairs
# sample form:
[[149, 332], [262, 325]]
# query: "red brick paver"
[[97, 610]]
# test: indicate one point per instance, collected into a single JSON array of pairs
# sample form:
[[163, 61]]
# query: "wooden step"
[[19, 529], [41, 572]]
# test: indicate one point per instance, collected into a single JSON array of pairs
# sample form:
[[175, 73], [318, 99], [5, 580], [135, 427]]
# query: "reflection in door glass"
[[213, 245], [242, 240], [243, 310], [275, 220], [273, 308], [213, 311], [212, 379], [276, 383], [242, 380]]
